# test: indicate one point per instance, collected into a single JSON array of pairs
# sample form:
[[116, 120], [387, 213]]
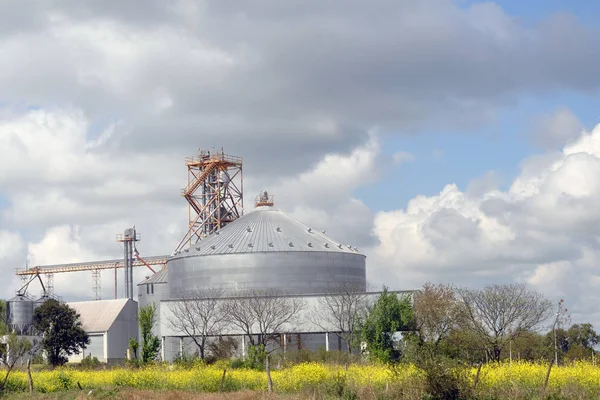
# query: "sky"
[[450, 141]]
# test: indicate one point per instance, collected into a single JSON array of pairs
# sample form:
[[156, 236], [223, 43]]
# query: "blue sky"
[[533, 10], [498, 146]]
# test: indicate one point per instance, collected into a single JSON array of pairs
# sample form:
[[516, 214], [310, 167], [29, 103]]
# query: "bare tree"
[[436, 309], [561, 318], [341, 311], [199, 315], [262, 313], [12, 349], [497, 314]]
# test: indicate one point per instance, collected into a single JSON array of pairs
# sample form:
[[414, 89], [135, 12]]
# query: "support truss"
[[50, 285], [97, 284], [214, 194]]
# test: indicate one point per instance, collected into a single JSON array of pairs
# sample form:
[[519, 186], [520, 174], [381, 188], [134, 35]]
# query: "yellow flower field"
[[494, 379], [530, 377]]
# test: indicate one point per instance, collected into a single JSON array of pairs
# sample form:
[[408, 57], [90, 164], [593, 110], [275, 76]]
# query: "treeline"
[[498, 322], [494, 323]]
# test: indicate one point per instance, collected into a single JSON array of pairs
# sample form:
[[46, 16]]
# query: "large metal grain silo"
[[266, 249]]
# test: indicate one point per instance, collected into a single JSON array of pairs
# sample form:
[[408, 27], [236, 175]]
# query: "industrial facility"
[[224, 248]]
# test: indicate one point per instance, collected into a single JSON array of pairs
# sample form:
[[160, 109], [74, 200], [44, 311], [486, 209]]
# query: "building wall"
[[294, 342], [96, 348], [153, 293], [123, 328], [312, 318]]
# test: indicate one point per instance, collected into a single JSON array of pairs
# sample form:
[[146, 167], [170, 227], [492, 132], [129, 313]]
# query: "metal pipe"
[[126, 260]]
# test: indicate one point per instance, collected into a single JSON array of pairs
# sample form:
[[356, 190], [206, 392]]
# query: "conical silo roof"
[[266, 229]]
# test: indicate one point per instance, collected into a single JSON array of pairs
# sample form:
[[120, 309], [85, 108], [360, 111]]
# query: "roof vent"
[[327, 245], [231, 246], [250, 245], [249, 229], [213, 247], [263, 199], [291, 244], [217, 233], [278, 229], [339, 246], [309, 230], [198, 248], [323, 232], [309, 244], [187, 250], [270, 244]]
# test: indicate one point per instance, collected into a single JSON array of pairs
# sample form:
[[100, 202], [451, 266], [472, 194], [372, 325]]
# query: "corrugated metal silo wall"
[[295, 272], [19, 313]]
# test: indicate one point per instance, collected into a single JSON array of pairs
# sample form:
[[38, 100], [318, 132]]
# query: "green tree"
[[3, 323], [577, 342], [388, 315], [2, 316], [583, 335], [150, 342], [134, 346], [62, 333]]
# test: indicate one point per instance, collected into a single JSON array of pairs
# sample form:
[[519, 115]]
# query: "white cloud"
[[71, 192], [120, 96], [13, 250], [54, 171], [544, 230], [323, 196]]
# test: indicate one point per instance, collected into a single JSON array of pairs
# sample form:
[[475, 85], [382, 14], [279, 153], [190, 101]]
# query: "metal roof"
[[99, 315], [266, 229], [159, 277]]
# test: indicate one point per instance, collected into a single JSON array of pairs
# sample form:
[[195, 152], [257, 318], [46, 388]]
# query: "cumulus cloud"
[[102, 102], [543, 230], [294, 81], [13, 251], [322, 196], [70, 194]]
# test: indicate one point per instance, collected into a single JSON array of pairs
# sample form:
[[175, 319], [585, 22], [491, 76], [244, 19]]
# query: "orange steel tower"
[[214, 193]]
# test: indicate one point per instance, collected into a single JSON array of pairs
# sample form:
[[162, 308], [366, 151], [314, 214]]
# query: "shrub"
[[90, 362]]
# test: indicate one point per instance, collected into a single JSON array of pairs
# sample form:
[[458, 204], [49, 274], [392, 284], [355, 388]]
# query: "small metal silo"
[[19, 314]]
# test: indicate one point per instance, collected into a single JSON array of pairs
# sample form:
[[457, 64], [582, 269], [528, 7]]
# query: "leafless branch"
[[499, 313], [341, 311], [436, 309], [198, 316], [263, 313]]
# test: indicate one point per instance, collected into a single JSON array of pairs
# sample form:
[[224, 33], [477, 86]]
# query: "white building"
[[110, 324]]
